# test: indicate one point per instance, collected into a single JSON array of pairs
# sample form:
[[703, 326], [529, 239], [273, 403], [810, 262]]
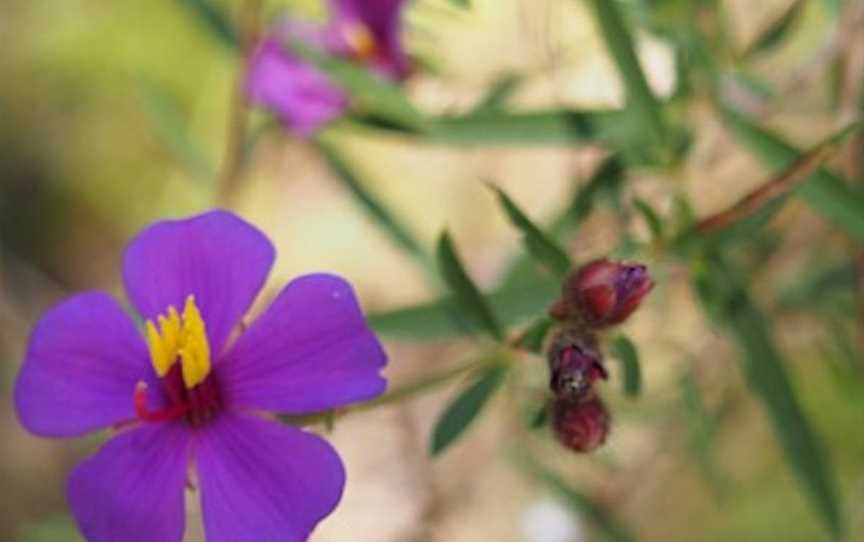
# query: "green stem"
[[408, 391]]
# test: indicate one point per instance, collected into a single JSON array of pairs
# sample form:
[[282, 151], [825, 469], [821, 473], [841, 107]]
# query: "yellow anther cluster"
[[362, 41], [180, 338]]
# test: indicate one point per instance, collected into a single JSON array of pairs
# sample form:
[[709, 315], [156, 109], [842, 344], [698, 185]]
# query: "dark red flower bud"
[[603, 292], [581, 426], [574, 365]]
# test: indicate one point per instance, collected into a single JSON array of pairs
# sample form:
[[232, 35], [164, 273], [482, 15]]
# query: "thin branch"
[[775, 187], [408, 391]]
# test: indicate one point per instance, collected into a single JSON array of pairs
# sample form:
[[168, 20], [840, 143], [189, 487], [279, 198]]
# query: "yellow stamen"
[[184, 339], [361, 41], [195, 350]]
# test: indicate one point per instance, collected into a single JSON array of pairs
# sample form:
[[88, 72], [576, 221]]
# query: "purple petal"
[[83, 362], [220, 258], [383, 18], [132, 489], [301, 96], [310, 351], [262, 482]]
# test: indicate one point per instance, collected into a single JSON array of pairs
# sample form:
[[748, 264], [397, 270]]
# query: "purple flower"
[[189, 391], [304, 98]]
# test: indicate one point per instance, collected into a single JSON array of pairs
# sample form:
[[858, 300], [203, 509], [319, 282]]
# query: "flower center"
[[180, 353], [361, 41]]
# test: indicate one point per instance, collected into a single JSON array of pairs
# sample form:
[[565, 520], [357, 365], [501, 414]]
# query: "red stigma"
[[197, 405]]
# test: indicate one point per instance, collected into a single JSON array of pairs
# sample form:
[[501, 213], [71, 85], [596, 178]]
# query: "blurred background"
[[116, 114]]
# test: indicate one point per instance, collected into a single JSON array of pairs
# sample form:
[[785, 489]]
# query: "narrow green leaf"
[[390, 225], [538, 418], [701, 428], [534, 337], [536, 128], [465, 408], [828, 194], [465, 293], [497, 95], [608, 526], [215, 20], [616, 129], [618, 40], [777, 31], [607, 181], [541, 247], [515, 303], [821, 285], [170, 128], [652, 219], [625, 352], [461, 3], [369, 92], [723, 290]]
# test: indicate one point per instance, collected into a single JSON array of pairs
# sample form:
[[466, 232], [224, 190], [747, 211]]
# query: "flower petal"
[[310, 351], [301, 96], [383, 18], [82, 364], [220, 258], [264, 482], [132, 489]]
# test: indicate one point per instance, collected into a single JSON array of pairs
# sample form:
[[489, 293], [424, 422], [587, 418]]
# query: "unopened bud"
[[581, 426], [602, 293], [574, 365]]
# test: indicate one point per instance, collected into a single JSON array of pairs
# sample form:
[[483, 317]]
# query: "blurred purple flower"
[[196, 395], [304, 98]]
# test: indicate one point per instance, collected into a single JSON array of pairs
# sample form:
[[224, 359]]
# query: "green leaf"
[[828, 194], [369, 92], [461, 3], [466, 295], [821, 284], [607, 181], [390, 225], [722, 289], [542, 248], [534, 337], [535, 128], [625, 352], [602, 519], [170, 128], [652, 219], [618, 40], [539, 417], [515, 303], [465, 408], [701, 428], [777, 31], [497, 95], [215, 20]]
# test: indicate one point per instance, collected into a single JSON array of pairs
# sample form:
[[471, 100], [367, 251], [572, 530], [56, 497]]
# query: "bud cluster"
[[598, 295]]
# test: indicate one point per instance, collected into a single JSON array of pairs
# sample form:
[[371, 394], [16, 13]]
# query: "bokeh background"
[[115, 114]]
